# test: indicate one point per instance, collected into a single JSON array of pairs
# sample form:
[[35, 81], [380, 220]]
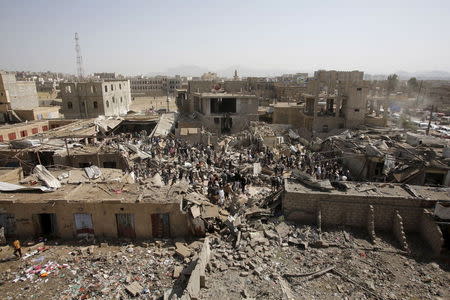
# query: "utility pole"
[[420, 88], [80, 71], [429, 122], [167, 89]]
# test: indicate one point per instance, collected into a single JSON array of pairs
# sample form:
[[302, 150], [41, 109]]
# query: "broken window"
[[109, 164], [434, 179], [83, 225], [220, 105]]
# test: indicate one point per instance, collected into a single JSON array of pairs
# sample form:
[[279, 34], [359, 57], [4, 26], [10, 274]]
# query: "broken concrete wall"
[[352, 210], [431, 232], [197, 279], [399, 232], [103, 215]]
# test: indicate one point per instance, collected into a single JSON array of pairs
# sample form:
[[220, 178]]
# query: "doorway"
[[125, 226], [45, 224], [8, 222], [160, 226]]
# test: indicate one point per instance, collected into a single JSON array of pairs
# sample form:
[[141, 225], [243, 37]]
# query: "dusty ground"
[[140, 104], [90, 272], [253, 270]]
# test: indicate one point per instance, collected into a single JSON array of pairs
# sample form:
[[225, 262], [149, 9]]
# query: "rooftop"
[[372, 189]]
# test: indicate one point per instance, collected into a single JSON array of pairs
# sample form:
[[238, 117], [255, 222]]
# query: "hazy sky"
[[138, 37]]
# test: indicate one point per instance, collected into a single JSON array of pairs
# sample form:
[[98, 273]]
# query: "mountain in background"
[[424, 75], [196, 71]]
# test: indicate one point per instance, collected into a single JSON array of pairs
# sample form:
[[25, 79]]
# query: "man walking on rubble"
[[17, 248]]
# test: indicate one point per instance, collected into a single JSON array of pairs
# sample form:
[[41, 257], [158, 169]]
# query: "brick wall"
[[353, 210]]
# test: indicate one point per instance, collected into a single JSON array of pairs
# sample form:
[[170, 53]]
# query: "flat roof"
[[224, 95], [99, 193], [371, 189], [29, 123]]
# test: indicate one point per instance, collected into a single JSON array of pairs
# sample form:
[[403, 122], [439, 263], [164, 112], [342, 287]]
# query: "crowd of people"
[[219, 172]]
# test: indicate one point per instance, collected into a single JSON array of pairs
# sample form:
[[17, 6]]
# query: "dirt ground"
[[141, 104]]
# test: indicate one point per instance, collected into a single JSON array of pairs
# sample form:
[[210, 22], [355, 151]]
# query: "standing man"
[[17, 249]]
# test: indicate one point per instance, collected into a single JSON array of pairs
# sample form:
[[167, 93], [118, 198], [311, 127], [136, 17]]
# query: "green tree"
[[392, 82], [413, 84]]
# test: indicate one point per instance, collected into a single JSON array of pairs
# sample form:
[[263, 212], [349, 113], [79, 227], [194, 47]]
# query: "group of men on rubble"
[[176, 160]]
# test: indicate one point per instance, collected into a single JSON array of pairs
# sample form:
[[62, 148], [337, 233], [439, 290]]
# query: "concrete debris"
[[134, 289]]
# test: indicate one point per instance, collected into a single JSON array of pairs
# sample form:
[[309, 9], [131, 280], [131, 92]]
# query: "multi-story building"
[[92, 99], [16, 94], [224, 113], [154, 86], [329, 79]]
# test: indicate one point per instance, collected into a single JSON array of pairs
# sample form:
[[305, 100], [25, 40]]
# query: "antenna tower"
[[80, 71]]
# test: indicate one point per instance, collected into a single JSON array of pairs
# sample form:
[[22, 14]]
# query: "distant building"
[[155, 86], [106, 75], [92, 99], [16, 94], [439, 95], [331, 78], [209, 76]]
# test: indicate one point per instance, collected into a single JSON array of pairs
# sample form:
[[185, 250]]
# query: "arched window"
[[120, 86], [69, 105], [107, 103], [95, 104], [112, 87], [121, 99], [114, 99], [106, 88]]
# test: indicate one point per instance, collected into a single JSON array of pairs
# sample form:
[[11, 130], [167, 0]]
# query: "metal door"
[[125, 226]]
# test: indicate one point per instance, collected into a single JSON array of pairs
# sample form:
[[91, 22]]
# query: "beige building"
[[154, 86], [80, 209], [16, 94], [92, 99], [324, 112], [223, 113]]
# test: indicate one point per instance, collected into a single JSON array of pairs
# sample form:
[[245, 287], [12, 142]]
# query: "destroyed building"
[[91, 99], [392, 156]]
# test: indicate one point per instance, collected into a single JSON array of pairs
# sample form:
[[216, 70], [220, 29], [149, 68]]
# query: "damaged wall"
[[431, 232], [103, 217]]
